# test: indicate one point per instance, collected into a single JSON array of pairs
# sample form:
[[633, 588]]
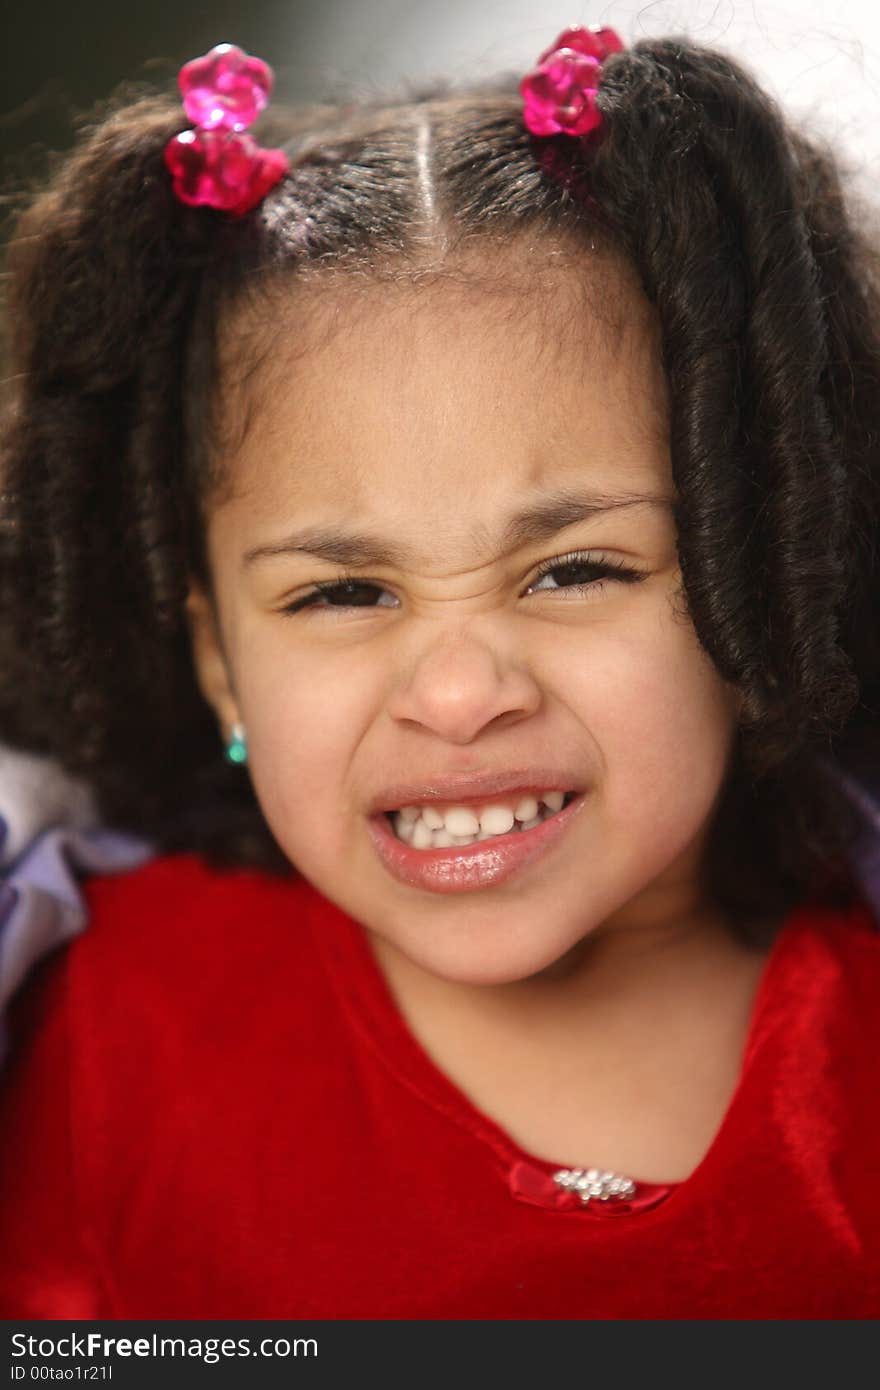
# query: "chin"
[[480, 964]]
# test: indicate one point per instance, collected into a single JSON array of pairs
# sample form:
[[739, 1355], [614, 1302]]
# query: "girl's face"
[[424, 422]]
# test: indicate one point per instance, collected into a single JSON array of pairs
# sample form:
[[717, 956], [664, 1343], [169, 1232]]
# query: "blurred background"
[[821, 59]]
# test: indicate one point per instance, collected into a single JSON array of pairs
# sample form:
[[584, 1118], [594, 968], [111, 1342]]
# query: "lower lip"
[[466, 867]]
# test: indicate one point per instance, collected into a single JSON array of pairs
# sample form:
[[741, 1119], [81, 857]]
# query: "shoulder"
[[847, 935], [191, 1001], [179, 905], [828, 966], [182, 883], [174, 948], [824, 1017]]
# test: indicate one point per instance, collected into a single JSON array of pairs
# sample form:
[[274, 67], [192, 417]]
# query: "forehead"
[[438, 399]]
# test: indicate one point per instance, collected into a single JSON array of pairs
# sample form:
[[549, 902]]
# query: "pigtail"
[[736, 281], [100, 270], [744, 240], [846, 252], [99, 501]]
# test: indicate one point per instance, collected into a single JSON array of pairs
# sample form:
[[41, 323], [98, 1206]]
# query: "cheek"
[[305, 721], [662, 722]]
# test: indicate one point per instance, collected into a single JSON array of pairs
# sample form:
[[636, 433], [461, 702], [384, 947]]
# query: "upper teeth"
[[494, 819]]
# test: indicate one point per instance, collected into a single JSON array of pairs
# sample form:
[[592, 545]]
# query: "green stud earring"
[[236, 748]]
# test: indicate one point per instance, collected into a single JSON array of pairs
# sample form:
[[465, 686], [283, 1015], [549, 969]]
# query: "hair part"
[[763, 276]]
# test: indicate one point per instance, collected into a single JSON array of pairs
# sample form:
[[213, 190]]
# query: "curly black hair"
[[763, 267]]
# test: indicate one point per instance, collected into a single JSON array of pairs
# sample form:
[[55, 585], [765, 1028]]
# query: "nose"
[[460, 686]]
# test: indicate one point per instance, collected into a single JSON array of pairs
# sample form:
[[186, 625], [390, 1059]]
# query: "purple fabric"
[[864, 793], [41, 902], [50, 836]]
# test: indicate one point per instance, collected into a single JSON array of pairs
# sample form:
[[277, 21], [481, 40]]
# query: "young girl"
[[496, 472]]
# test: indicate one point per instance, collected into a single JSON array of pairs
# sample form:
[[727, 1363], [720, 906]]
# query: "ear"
[[209, 661]]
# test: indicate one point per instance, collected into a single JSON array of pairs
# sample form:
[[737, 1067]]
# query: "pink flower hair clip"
[[216, 165], [559, 95]]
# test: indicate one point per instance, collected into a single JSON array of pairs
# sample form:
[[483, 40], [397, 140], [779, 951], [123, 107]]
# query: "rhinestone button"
[[594, 1184]]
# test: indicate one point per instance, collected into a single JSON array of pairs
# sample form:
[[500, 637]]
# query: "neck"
[[623, 1054]]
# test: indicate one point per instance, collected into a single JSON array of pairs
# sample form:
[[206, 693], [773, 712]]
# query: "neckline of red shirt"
[[369, 1004]]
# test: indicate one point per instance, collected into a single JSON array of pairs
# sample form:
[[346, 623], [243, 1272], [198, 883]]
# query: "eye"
[[585, 574], [599, 572], [337, 593]]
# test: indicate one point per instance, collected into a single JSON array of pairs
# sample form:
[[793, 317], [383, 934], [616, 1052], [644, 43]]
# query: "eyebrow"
[[535, 523]]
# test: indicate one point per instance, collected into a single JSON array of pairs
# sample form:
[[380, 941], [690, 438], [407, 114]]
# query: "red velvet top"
[[213, 1109]]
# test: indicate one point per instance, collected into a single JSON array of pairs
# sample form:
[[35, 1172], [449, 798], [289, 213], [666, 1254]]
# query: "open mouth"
[[427, 828]]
